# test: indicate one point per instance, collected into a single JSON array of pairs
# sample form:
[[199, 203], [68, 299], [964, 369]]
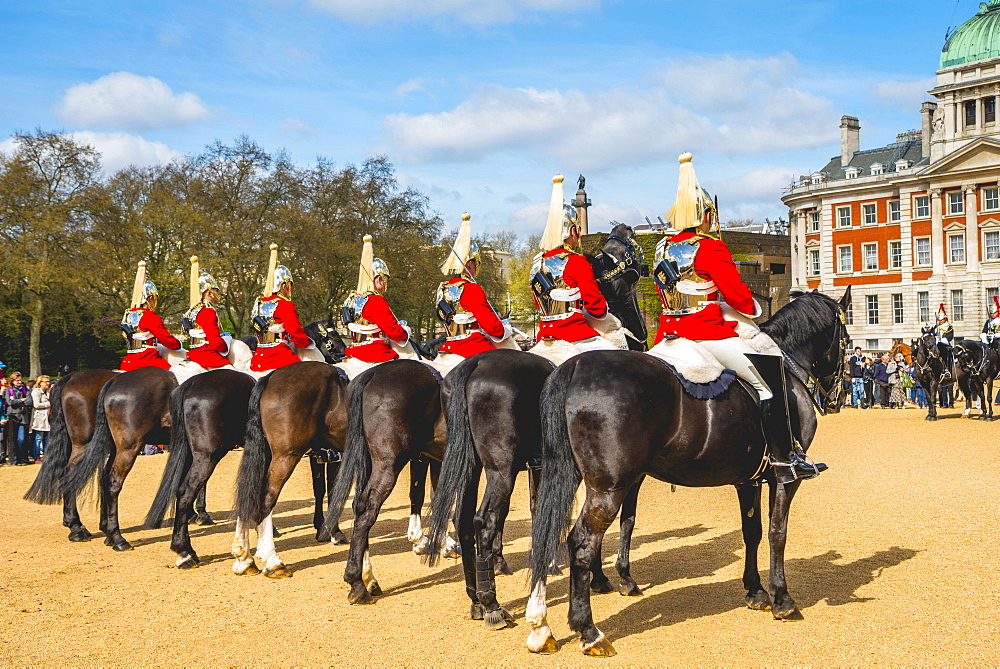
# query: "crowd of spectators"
[[24, 418], [888, 381]]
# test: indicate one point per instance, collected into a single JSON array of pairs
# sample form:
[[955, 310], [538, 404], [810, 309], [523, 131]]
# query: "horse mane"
[[794, 325]]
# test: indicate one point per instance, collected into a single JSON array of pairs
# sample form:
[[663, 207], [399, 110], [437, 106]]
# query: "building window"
[[845, 259], [990, 294], [877, 168], [895, 255], [894, 215], [897, 307], [850, 314], [957, 305], [989, 109], [814, 262], [872, 309], [814, 220], [923, 246], [924, 306], [868, 215], [956, 248], [922, 205], [870, 253], [843, 217], [872, 344], [970, 112], [991, 198], [956, 203], [991, 246]]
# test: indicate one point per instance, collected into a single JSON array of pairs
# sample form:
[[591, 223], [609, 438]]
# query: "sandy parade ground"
[[891, 558]]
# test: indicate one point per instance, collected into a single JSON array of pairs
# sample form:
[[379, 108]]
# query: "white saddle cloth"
[[611, 329], [689, 358]]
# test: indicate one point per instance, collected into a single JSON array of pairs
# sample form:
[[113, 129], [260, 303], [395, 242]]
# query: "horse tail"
[[97, 452], [251, 480], [459, 464], [356, 464], [559, 478], [178, 463], [46, 488]]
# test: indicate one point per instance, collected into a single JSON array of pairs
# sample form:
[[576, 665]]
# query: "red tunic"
[[210, 354], [281, 354], [149, 356], [578, 274], [377, 312], [714, 263], [473, 299]]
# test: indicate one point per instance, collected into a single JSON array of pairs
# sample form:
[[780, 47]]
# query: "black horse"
[[618, 268], [931, 367], [978, 365], [610, 418]]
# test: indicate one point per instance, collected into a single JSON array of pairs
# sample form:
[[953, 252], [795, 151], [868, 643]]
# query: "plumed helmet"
[[379, 268], [561, 219], [206, 282], [281, 277], [692, 200], [463, 250], [149, 290]]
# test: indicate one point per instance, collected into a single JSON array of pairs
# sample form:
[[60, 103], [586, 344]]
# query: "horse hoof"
[[546, 647], [203, 520], [629, 589], [281, 571], [452, 553], [187, 562], [339, 539], [77, 536], [251, 570], [322, 536], [501, 568], [476, 611], [786, 611], [498, 620], [359, 595], [119, 546], [601, 586], [374, 589], [931, 418], [758, 601], [600, 648]]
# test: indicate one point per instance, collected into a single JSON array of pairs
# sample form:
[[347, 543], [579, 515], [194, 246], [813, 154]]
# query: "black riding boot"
[[788, 460]]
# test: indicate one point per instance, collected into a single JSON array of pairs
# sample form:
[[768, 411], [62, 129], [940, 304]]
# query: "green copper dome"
[[976, 39]]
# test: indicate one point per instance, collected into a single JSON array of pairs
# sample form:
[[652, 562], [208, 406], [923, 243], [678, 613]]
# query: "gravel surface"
[[891, 558]]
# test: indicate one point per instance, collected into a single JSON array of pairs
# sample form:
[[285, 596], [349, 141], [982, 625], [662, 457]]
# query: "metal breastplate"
[[555, 299], [458, 321], [196, 334], [362, 331], [130, 328], [267, 329], [681, 290]]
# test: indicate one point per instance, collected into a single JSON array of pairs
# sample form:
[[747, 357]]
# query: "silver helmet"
[[281, 277], [149, 290], [379, 268], [206, 282]]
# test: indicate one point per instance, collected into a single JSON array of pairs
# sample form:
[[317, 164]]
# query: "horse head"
[[618, 268], [329, 342]]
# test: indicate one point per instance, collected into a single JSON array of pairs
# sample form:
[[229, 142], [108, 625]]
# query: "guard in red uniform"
[[144, 329], [563, 283], [277, 326], [695, 274], [208, 347], [369, 318], [472, 324]]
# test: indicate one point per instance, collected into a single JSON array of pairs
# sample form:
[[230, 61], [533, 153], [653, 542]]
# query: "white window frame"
[[990, 292], [870, 312], [869, 251], [957, 305], [917, 206], [917, 252], [990, 203], [897, 308], [986, 245], [850, 259], [815, 262], [896, 259], [956, 243], [866, 208], [814, 221], [923, 306], [895, 211], [840, 217], [956, 207], [872, 345]]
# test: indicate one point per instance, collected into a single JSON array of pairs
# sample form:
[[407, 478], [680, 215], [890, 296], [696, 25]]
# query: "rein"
[[632, 259]]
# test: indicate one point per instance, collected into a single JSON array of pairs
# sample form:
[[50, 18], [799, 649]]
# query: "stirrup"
[[799, 465]]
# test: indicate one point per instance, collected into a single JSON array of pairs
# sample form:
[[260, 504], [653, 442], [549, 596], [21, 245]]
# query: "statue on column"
[[581, 182]]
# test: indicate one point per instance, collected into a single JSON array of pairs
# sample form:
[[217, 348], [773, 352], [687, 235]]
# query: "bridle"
[[629, 267], [804, 372]]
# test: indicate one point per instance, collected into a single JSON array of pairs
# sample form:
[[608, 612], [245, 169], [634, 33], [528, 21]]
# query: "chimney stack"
[[926, 127], [850, 139]]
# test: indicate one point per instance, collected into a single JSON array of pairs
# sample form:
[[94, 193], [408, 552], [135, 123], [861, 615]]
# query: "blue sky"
[[479, 102]]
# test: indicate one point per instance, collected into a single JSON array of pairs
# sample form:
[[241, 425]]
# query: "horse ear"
[[845, 300]]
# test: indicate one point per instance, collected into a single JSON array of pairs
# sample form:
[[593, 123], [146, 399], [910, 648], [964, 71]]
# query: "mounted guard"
[[377, 336], [281, 339], [991, 329], [574, 313], [144, 331], [944, 332], [471, 322], [704, 299]]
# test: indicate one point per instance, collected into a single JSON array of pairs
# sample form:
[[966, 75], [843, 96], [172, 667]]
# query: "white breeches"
[[595, 344], [731, 353], [352, 366]]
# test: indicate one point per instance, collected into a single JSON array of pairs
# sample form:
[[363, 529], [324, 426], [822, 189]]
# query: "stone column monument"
[[581, 203]]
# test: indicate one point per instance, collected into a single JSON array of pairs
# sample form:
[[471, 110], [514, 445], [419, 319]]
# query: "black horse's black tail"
[[46, 488], [178, 463], [559, 477], [251, 480], [97, 453], [356, 465], [459, 465]]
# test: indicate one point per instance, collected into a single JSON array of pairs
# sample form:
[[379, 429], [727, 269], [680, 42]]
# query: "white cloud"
[[119, 150], [411, 86], [477, 13], [904, 94], [763, 185], [126, 100], [297, 129], [725, 105]]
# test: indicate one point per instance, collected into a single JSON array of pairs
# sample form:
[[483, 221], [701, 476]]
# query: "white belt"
[[363, 329], [464, 336], [272, 344], [561, 317], [696, 287], [565, 294]]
